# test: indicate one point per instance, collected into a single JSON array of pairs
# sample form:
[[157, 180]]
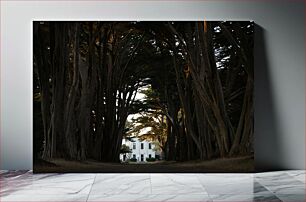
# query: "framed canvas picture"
[[143, 96]]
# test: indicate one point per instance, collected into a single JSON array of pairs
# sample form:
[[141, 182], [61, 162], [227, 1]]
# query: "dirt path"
[[241, 164]]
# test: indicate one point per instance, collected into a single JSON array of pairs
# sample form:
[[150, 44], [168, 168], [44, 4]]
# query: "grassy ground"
[[238, 164]]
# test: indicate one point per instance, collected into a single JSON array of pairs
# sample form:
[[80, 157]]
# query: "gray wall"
[[279, 64]]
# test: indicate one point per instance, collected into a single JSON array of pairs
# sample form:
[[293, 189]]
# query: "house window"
[[150, 146], [141, 157], [134, 145], [134, 156], [150, 156], [141, 145]]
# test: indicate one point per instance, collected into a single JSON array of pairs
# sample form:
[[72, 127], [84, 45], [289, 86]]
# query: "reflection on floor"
[[269, 186]]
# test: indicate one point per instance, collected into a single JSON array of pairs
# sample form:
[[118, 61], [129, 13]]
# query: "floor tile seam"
[[91, 187], [151, 184], [272, 192], [208, 194]]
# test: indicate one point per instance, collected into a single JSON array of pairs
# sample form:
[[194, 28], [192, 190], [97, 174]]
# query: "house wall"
[[138, 151], [279, 67]]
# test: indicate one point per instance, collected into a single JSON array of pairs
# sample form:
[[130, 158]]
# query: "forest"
[[197, 77]]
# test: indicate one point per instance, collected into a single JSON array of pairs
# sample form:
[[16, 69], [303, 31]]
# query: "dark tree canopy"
[[198, 80]]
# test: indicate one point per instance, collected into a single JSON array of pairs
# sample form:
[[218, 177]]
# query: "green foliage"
[[150, 159], [125, 149], [151, 124], [133, 160], [157, 157]]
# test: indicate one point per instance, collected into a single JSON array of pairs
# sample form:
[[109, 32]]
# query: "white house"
[[140, 150]]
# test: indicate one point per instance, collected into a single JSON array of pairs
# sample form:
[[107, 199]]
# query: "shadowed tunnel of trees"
[[87, 75]]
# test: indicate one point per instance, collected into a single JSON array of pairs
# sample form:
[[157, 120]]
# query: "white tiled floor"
[[271, 186]]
